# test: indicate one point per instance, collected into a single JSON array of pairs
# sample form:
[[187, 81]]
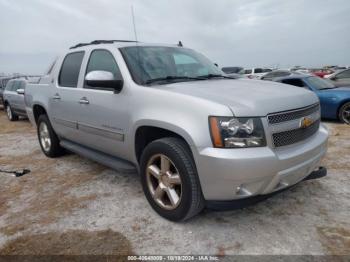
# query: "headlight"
[[231, 132]]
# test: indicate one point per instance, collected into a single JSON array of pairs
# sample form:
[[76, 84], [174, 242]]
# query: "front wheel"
[[49, 142], [169, 179], [344, 113]]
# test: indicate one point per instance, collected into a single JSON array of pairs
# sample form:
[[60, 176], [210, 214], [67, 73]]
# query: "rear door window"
[[70, 70]]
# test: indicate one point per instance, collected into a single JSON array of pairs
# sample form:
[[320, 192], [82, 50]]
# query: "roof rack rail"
[[98, 42]]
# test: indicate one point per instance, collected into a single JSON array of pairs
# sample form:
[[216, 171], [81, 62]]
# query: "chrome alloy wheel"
[[346, 114], [45, 139], [164, 182], [9, 112]]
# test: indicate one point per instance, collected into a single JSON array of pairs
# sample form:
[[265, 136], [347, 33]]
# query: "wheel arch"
[[146, 133], [38, 110]]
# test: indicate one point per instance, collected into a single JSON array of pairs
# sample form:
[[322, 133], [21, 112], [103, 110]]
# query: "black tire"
[[10, 115], [55, 150], [344, 107], [176, 150]]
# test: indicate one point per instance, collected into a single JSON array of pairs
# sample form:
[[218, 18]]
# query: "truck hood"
[[246, 97]]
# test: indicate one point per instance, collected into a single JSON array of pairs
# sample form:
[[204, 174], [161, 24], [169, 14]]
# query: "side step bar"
[[115, 163]]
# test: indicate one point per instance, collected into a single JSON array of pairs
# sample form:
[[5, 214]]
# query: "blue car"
[[335, 101]]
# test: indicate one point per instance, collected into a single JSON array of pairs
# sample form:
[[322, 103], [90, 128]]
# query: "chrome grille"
[[294, 136], [286, 129], [293, 114]]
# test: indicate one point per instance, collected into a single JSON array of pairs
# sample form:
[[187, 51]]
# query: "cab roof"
[[119, 43]]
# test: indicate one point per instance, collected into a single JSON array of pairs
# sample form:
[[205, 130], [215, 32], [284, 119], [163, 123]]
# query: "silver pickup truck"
[[196, 136]]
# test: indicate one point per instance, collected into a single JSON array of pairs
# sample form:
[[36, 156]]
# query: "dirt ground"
[[72, 205]]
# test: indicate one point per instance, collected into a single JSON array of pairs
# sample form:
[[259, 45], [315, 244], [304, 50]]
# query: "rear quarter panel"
[[37, 94]]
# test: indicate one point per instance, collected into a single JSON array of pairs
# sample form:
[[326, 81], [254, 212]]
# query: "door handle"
[[56, 97], [84, 101]]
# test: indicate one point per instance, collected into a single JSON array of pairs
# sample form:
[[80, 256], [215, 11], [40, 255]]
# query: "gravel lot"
[[72, 205]]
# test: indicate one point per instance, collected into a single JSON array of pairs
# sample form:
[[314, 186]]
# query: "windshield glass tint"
[[146, 63], [319, 83]]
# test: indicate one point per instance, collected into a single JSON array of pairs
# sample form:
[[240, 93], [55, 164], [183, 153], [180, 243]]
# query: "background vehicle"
[[233, 70], [335, 101], [321, 72], [277, 73], [3, 82], [341, 78], [256, 73], [197, 137], [14, 99]]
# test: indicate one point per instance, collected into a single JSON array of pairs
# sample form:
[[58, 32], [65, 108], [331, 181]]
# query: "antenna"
[[137, 45], [133, 21]]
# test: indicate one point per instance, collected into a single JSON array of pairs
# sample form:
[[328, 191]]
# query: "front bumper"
[[230, 174], [245, 202]]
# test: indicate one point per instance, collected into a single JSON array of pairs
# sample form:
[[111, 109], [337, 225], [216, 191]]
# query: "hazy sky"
[[230, 32]]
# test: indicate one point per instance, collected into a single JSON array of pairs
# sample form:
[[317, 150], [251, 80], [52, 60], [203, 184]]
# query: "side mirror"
[[103, 80], [20, 91]]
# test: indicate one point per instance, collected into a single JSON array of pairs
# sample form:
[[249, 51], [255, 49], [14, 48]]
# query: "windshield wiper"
[[171, 78], [209, 76]]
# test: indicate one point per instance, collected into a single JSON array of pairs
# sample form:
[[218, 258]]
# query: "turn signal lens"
[[215, 132]]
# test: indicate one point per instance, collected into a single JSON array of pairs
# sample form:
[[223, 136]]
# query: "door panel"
[[102, 123], [18, 100], [103, 115]]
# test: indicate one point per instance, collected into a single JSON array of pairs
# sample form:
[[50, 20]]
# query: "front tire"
[[169, 179], [344, 113], [48, 140], [10, 114]]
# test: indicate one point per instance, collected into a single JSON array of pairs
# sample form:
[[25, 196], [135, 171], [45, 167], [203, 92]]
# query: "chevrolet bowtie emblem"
[[306, 122]]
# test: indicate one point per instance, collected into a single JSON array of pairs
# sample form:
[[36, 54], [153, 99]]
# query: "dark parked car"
[[341, 78], [233, 70], [335, 101]]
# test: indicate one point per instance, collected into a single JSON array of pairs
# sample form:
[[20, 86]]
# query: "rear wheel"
[[10, 114], [169, 179], [344, 113], [49, 142]]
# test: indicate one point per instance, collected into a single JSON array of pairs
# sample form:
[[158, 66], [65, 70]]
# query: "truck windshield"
[[159, 64]]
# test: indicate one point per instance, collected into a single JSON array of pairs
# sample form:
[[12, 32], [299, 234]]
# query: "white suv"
[[256, 73]]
